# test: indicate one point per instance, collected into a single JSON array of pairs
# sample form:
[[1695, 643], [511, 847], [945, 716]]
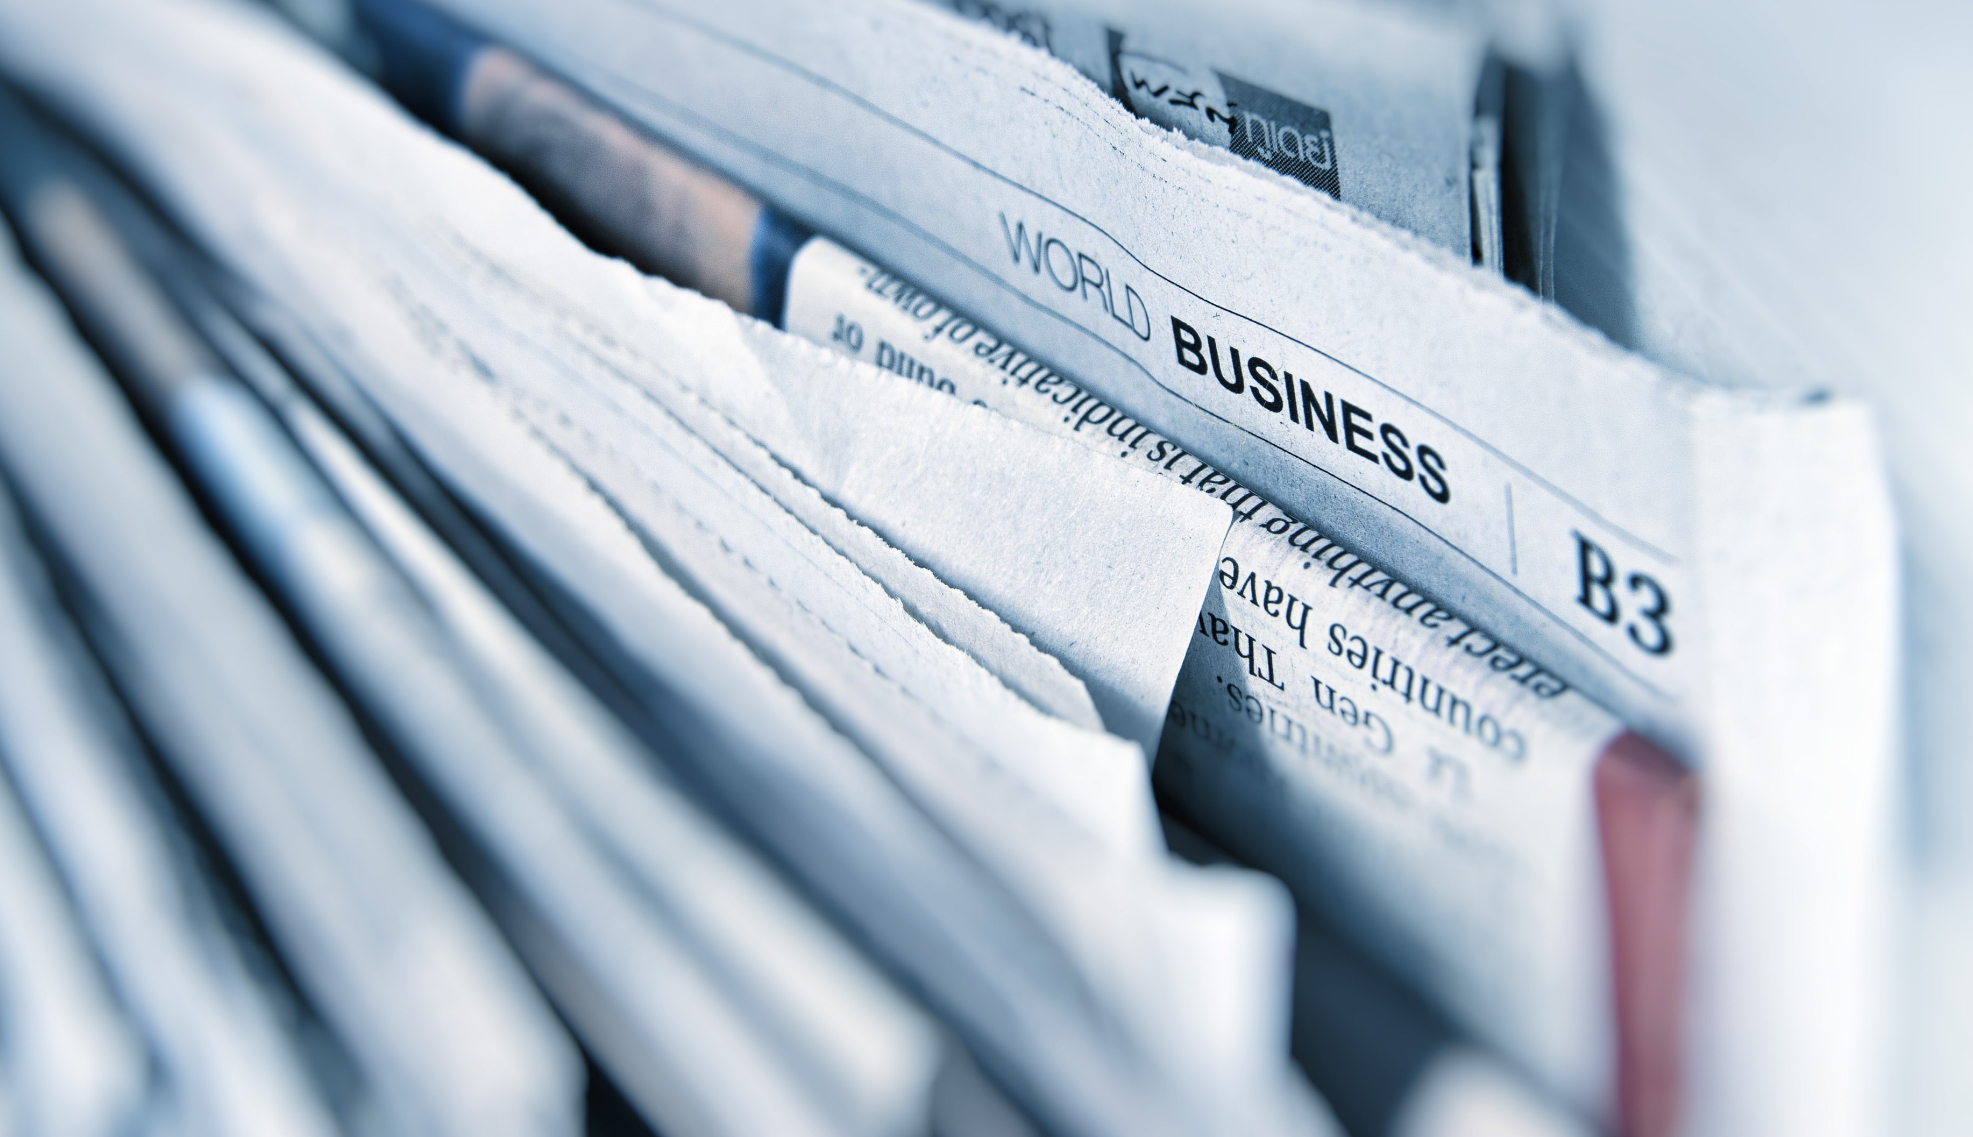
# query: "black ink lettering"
[[1271, 598], [1185, 341], [1395, 443], [1594, 573], [1431, 475], [1326, 416], [1262, 373], [1661, 607], [1288, 618], [1351, 431], [1239, 382]]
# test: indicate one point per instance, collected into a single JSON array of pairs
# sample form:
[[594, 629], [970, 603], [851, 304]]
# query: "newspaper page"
[[1534, 941], [1606, 515], [1414, 745], [215, 1040], [845, 1030], [74, 1062], [484, 310], [333, 856], [1369, 103], [1107, 578]]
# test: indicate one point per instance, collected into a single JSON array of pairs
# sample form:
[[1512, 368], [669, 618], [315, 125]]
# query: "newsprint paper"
[[1652, 539]]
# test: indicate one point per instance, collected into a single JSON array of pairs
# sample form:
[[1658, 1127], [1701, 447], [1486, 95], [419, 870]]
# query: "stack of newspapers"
[[898, 568]]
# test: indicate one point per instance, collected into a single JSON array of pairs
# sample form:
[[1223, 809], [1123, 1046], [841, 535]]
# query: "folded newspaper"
[[1102, 432], [1650, 540]]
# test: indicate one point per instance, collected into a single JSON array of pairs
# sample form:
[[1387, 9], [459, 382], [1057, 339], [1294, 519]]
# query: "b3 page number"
[[1598, 584]]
